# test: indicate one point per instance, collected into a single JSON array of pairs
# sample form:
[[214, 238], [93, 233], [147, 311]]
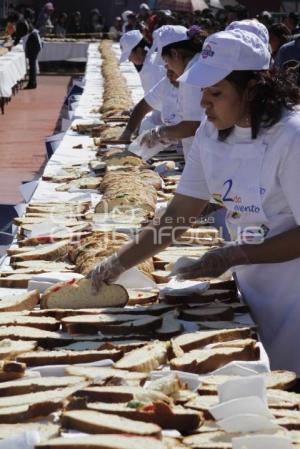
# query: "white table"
[[63, 51], [12, 70]]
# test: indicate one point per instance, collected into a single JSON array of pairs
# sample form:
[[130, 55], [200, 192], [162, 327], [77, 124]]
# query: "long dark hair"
[[189, 47], [272, 92]]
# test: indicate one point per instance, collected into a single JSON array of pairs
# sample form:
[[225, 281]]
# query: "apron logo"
[[237, 200]]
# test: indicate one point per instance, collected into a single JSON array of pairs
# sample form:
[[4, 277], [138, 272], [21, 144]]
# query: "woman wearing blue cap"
[[246, 156]]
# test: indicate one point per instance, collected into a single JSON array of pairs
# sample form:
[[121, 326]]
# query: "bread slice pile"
[[99, 245], [116, 95], [130, 193]]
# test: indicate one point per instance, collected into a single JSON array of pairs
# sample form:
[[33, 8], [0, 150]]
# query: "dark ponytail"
[[272, 92]]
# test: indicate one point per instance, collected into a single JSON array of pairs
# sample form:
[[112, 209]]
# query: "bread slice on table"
[[9, 349], [46, 431], [25, 386], [39, 397], [162, 414], [62, 357], [44, 323], [281, 380], [209, 440], [26, 407], [91, 421], [120, 394], [281, 399], [53, 251], [25, 301], [102, 373], [43, 264], [170, 326], [103, 442], [206, 360], [42, 337], [196, 340], [11, 370], [111, 324], [208, 314], [77, 294], [144, 359]]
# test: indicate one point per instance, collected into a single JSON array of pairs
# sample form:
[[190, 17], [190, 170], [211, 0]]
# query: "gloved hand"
[[153, 137], [106, 271], [213, 263]]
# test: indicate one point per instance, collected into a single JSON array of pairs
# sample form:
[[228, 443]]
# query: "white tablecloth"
[[12, 70], [63, 51]]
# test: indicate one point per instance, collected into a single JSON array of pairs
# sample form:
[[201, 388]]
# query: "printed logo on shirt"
[[207, 52], [237, 207]]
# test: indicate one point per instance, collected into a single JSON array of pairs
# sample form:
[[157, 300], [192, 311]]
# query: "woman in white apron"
[[163, 97], [247, 156], [136, 49], [179, 48]]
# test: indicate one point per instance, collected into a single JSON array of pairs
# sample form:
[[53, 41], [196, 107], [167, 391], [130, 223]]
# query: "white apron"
[[271, 290]]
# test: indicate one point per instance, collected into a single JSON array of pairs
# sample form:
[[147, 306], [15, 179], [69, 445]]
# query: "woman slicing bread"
[[179, 48], [246, 154]]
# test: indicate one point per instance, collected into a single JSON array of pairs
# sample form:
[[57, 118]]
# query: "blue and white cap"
[[225, 52]]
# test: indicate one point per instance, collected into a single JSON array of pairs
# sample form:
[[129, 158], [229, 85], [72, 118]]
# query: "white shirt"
[[163, 97], [189, 103], [280, 173], [151, 73]]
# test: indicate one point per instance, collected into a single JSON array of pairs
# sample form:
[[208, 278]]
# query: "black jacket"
[[33, 45]]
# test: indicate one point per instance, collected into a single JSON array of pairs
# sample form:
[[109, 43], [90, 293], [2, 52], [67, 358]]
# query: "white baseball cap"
[[225, 52], [168, 34], [128, 41], [253, 26]]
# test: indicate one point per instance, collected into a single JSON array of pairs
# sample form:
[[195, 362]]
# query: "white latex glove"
[[106, 271], [213, 263]]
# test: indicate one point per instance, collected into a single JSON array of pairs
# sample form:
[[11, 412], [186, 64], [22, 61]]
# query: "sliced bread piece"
[[112, 324], [207, 314], [103, 442], [44, 264], [36, 398], [38, 358], [44, 323], [209, 440], [121, 394], [281, 380], [170, 327], [46, 431], [196, 340], [206, 360], [102, 373], [91, 421], [11, 370], [144, 359], [45, 338], [24, 301], [162, 414], [25, 386], [55, 251], [78, 294], [9, 349]]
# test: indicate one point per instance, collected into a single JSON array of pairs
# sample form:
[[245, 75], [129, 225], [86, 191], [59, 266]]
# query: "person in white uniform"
[[163, 97], [179, 48], [135, 49], [246, 155]]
